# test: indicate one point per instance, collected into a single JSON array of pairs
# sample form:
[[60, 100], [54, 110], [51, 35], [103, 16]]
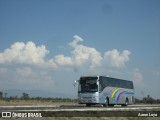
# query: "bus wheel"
[[111, 105], [88, 105], [126, 103], [106, 102]]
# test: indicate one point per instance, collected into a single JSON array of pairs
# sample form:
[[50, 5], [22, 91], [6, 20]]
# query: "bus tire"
[[88, 105], [106, 102], [111, 105], [126, 103]]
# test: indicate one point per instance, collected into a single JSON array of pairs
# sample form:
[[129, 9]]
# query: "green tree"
[[5, 95], [25, 96], [149, 99], [158, 101], [1, 95]]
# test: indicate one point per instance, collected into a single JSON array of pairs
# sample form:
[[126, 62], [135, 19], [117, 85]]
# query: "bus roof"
[[104, 76]]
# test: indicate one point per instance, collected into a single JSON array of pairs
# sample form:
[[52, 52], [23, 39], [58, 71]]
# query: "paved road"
[[78, 108]]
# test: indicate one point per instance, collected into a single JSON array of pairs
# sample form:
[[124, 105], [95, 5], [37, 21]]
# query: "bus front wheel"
[[106, 102], [88, 105]]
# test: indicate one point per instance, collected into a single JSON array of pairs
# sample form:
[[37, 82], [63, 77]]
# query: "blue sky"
[[123, 36]]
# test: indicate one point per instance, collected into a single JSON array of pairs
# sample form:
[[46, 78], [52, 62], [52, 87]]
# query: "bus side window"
[[103, 83], [113, 82], [123, 84], [120, 83], [128, 85], [132, 85], [108, 82]]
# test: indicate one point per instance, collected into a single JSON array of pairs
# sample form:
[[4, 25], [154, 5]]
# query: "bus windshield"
[[88, 85]]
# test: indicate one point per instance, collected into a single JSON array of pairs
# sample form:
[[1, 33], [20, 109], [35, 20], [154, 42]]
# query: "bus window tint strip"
[[106, 81]]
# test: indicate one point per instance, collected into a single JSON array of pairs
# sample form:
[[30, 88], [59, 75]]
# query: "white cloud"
[[116, 59], [137, 76], [24, 72], [81, 55], [156, 72], [3, 71], [25, 77], [61, 60], [87, 56], [75, 41], [23, 53]]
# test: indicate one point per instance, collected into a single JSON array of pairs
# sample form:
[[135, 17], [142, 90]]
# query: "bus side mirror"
[[74, 84]]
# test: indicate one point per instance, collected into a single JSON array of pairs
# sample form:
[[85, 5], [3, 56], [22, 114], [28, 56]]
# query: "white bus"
[[103, 90]]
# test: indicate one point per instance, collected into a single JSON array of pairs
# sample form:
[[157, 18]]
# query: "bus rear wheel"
[[111, 105], [126, 103]]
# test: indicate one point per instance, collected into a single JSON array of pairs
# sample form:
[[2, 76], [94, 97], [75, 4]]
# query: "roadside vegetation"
[[25, 99], [147, 100]]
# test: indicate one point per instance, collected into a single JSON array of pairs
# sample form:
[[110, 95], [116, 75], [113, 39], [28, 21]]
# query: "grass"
[[34, 102]]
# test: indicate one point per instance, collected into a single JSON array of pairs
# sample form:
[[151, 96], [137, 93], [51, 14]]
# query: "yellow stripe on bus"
[[114, 92]]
